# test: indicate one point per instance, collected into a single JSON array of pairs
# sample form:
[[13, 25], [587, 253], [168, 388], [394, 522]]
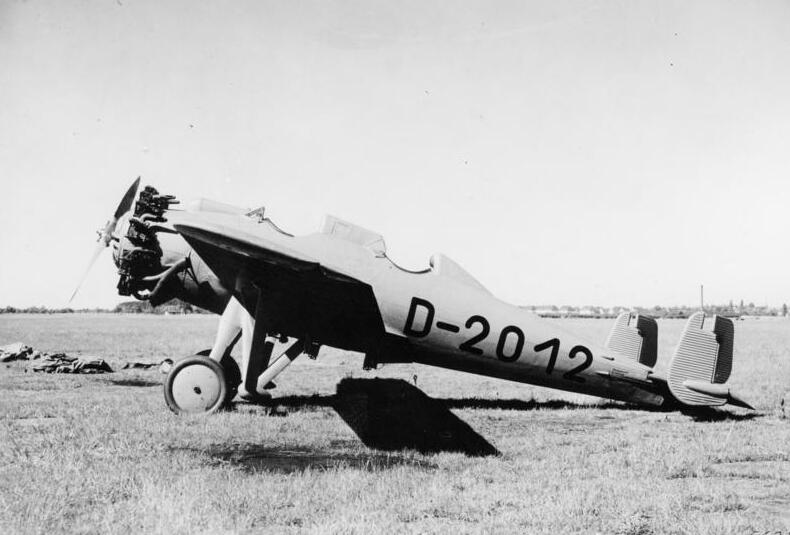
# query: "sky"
[[605, 153]]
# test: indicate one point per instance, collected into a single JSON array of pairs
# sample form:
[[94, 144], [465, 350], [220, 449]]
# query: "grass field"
[[102, 454]]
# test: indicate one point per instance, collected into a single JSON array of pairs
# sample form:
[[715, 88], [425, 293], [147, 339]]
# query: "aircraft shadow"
[[710, 414], [133, 382], [704, 414], [388, 415], [315, 400], [397, 419], [392, 415]]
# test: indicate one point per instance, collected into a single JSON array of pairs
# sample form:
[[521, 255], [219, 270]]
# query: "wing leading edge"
[[302, 297]]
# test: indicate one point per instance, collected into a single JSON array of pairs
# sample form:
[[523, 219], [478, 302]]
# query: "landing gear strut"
[[208, 381]]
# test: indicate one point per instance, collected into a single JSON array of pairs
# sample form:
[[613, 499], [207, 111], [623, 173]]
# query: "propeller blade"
[[124, 206], [126, 202], [105, 236], [96, 252]]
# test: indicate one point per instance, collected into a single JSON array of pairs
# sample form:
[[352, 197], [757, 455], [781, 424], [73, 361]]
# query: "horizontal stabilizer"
[[702, 363], [635, 337], [716, 390]]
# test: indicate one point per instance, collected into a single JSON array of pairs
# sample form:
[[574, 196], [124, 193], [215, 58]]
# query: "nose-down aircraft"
[[337, 287]]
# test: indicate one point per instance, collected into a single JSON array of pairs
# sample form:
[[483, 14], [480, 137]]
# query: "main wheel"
[[196, 385]]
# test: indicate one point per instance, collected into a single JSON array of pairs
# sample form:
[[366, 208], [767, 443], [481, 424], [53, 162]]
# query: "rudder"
[[703, 362]]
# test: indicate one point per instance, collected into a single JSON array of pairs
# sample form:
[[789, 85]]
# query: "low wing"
[[301, 297]]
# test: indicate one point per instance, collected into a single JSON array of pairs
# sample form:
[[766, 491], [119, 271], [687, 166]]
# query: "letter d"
[[409, 329]]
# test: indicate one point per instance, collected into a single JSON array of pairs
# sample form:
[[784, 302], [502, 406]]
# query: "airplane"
[[337, 287]]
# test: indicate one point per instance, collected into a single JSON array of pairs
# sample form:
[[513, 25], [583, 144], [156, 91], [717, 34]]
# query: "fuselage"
[[440, 316], [450, 320]]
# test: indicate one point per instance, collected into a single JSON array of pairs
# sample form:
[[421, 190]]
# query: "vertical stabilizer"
[[703, 361], [635, 337]]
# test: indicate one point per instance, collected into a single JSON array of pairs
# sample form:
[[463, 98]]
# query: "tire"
[[232, 376], [232, 372], [196, 385]]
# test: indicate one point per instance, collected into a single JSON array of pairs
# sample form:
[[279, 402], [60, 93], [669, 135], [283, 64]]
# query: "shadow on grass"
[[710, 414], [300, 402], [133, 382], [392, 414], [701, 414], [253, 458], [532, 405]]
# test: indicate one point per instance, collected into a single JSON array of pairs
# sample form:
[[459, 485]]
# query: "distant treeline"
[[174, 306], [46, 310], [730, 310]]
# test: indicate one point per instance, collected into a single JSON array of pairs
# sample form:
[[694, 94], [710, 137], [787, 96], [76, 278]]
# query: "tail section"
[[635, 337], [702, 363]]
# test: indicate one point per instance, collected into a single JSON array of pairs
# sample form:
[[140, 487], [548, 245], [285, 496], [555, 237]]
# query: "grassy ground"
[[103, 454]]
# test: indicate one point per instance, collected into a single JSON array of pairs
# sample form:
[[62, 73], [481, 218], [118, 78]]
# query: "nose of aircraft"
[[147, 251], [156, 264]]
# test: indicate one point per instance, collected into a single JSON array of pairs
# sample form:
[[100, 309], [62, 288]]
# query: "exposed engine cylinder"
[[138, 254], [156, 264]]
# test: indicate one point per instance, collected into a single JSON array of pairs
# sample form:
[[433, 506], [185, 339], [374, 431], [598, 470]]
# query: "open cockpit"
[[439, 264]]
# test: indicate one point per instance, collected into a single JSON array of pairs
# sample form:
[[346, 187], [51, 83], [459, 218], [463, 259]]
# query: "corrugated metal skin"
[[637, 342], [624, 340], [696, 358]]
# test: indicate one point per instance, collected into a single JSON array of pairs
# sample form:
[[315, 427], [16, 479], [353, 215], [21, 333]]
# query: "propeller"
[[106, 234]]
